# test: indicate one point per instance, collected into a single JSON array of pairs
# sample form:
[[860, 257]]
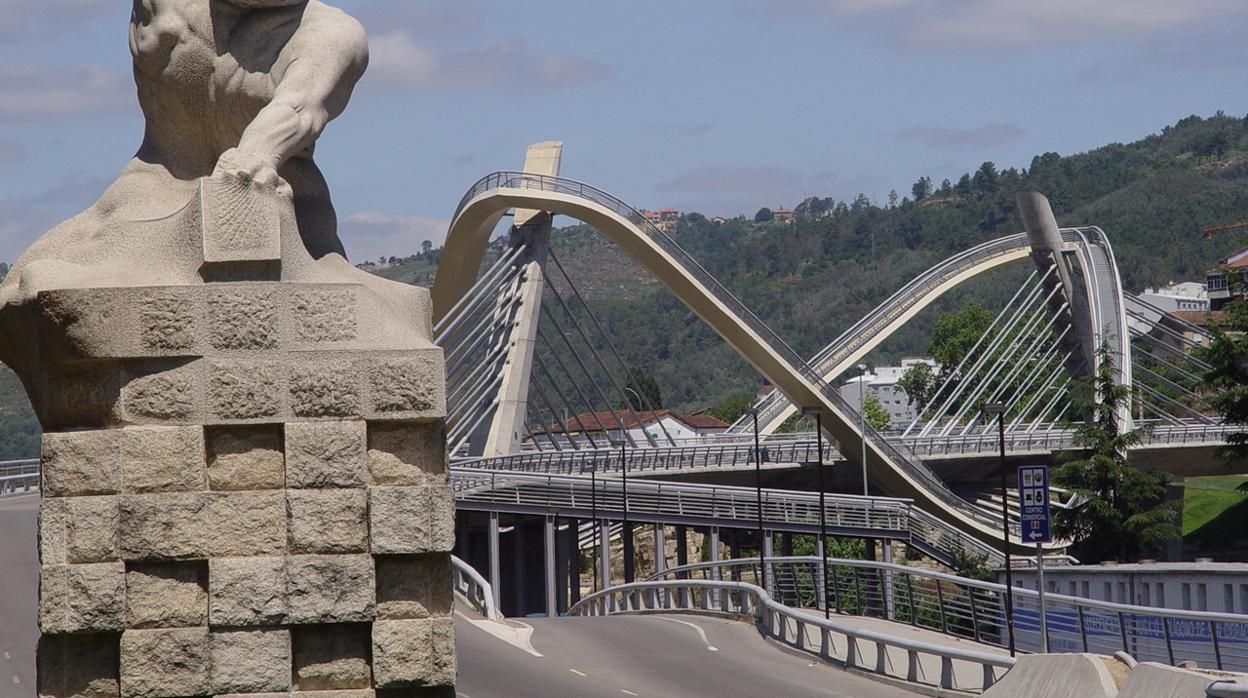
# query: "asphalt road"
[[667, 656]]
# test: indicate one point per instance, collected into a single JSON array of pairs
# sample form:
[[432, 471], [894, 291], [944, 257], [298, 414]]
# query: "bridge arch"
[[490, 198]]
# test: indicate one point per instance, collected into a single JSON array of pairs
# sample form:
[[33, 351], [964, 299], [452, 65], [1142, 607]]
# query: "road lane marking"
[[701, 632], [578, 673], [7, 655], [16, 680], [628, 692]]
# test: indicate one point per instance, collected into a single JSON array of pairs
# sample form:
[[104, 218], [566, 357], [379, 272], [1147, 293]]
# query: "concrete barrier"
[[1058, 676], [1150, 680]]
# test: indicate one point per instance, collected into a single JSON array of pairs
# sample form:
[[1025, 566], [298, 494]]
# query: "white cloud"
[[397, 60], [369, 234], [940, 136], [1013, 22], [31, 91]]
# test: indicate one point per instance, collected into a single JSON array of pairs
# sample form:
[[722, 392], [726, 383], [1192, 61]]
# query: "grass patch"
[[1205, 498]]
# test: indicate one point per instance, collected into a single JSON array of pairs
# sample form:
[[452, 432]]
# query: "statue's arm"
[[314, 89]]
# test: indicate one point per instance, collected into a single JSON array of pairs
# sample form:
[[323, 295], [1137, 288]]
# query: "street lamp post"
[[758, 490], [628, 531], [593, 515], [998, 409], [823, 514], [862, 421]]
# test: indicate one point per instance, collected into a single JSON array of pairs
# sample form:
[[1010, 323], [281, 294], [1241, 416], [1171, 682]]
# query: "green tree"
[[877, 417], [646, 386], [922, 188], [732, 407], [919, 382], [764, 214], [1119, 512], [954, 334]]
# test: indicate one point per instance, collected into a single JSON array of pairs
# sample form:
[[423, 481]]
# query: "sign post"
[[1033, 509]]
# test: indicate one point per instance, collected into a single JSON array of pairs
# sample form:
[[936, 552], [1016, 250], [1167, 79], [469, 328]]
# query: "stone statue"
[[244, 485]]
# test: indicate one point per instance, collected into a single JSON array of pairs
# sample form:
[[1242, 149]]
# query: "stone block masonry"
[[240, 512]]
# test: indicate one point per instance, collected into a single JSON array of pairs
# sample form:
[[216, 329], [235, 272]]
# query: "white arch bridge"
[[1046, 337]]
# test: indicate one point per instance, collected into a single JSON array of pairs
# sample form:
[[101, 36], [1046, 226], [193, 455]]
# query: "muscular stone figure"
[[232, 88]]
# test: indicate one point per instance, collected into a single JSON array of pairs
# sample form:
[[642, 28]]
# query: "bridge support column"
[[604, 552], [714, 556], [496, 577], [682, 546], [660, 548], [765, 549], [570, 573], [630, 561], [548, 540]]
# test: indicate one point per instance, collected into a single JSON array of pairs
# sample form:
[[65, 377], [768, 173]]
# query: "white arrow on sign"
[[1035, 534]]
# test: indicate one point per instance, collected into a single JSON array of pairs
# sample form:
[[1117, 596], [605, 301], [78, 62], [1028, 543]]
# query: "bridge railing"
[[974, 610], [720, 505], [895, 453], [582, 461], [473, 588], [907, 659], [18, 476]]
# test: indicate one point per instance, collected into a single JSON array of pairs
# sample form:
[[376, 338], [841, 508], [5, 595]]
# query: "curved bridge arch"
[[490, 198]]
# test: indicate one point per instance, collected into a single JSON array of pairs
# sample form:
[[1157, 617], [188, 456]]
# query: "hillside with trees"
[[812, 277]]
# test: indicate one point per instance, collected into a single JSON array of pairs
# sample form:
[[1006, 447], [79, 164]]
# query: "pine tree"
[[1119, 512]]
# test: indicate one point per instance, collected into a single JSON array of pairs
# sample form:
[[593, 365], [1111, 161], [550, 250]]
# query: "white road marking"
[[578, 673], [518, 637], [7, 655], [701, 632], [15, 679], [627, 692]]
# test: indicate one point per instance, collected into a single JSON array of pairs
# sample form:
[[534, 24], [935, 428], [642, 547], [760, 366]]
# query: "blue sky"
[[720, 106]]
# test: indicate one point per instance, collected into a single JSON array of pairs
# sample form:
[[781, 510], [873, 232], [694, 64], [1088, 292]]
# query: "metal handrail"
[[473, 588], [892, 453], [1226, 688], [973, 609], [832, 641], [15, 474]]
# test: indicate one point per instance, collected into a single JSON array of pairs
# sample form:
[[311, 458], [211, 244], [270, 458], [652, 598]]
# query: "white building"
[[882, 383], [1189, 295], [1190, 586], [654, 426]]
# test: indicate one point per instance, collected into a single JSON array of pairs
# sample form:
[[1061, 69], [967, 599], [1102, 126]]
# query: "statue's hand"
[[251, 167]]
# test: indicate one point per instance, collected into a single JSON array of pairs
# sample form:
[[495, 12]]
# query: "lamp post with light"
[[817, 413]]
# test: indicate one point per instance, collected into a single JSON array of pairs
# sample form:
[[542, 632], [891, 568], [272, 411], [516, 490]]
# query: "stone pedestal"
[[244, 493]]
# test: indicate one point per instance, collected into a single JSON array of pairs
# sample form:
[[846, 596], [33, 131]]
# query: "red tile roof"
[[611, 420]]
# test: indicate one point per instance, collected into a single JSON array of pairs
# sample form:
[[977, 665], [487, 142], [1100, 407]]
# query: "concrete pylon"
[[531, 228]]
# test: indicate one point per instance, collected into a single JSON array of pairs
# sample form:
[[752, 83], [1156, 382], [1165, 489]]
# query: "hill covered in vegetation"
[[812, 277]]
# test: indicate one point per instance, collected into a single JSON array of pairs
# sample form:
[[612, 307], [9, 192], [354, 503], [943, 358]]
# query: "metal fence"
[[974, 610], [473, 588], [18, 476], [902, 658]]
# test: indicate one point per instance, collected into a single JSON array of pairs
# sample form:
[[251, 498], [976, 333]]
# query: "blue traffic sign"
[[1033, 503]]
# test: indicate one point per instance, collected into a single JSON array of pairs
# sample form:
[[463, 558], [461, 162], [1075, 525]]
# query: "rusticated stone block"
[[407, 453], [409, 385], [81, 666], [250, 661], [78, 396], [325, 315], [414, 586], [328, 521], [351, 693], [81, 463], [245, 523], [165, 663], [329, 657], [331, 588], [78, 529], [414, 653], [158, 391], [245, 389], [325, 389], [163, 526], [167, 320], [245, 457], [162, 459], [326, 454], [411, 520], [239, 225], [245, 318], [167, 594], [82, 598], [246, 592]]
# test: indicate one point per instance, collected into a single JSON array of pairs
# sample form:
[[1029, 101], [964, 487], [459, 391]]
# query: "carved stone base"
[[245, 494]]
